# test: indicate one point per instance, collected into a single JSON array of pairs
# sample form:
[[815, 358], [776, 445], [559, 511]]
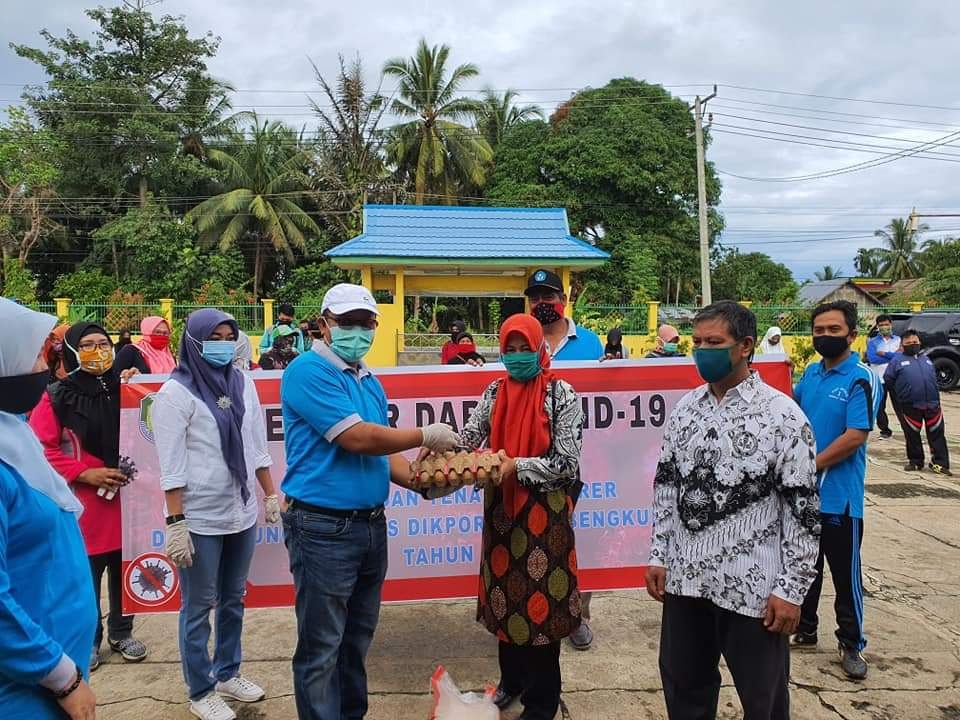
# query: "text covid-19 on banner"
[[434, 545]]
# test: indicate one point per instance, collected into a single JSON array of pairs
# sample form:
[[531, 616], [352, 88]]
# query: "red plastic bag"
[[450, 704]]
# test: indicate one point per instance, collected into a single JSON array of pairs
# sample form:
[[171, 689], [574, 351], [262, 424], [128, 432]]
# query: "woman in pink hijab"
[[150, 354]]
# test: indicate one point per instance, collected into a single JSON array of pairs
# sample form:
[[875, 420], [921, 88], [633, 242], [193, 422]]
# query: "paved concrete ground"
[[911, 565]]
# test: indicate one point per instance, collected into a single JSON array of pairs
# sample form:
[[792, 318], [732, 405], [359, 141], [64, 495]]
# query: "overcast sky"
[[905, 54]]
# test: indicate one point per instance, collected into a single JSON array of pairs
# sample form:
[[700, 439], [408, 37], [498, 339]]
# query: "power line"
[[856, 167], [843, 99]]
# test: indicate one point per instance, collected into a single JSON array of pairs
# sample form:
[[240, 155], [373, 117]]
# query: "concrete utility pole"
[[706, 293]]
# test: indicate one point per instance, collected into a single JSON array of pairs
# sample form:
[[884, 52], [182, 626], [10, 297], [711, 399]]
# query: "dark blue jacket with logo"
[[912, 381]]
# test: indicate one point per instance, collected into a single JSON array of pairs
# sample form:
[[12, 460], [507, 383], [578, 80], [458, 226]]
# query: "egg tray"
[[454, 469]]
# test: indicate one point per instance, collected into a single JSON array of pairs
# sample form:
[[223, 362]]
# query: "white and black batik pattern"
[[736, 503], [560, 465]]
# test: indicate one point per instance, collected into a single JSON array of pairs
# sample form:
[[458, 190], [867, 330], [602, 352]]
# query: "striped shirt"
[[736, 511]]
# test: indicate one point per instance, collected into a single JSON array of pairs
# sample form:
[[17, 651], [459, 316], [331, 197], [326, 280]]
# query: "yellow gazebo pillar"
[[399, 287], [366, 277], [166, 310], [565, 281], [267, 313], [653, 316], [916, 307], [747, 303]]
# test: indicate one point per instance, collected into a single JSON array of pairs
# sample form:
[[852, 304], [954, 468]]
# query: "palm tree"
[[828, 273], [437, 152], [497, 114], [900, 258], [867, 262], [350, 149], [264, 182], [205, 114]]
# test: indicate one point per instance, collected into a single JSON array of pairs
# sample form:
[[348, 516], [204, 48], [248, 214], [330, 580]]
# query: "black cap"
[[544, 279]]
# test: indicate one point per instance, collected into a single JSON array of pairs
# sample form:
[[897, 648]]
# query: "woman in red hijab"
[[528, 595], [151, 353]]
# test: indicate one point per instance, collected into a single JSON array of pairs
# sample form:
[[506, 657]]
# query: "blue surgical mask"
[[713, 364], [670, 347], [350, 344], [522, 366], [218, 353]]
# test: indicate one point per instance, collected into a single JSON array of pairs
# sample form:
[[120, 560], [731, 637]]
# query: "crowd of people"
[[754, 490]]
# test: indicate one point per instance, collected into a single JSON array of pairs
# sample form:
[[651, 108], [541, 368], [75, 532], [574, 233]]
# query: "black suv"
[[940, 334]]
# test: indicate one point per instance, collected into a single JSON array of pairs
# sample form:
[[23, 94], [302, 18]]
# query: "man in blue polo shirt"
[[341, 456], [565, 341], [840, 396]]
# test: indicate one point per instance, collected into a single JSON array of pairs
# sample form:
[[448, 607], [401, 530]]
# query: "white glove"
[[179, 544], [439, 437], [271, 509]]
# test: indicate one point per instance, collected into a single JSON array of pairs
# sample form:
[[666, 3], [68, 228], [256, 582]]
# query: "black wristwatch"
[[70, 688], [171, 519]]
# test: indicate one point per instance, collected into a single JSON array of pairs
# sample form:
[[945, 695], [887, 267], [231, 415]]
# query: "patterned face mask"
[[548, 313]]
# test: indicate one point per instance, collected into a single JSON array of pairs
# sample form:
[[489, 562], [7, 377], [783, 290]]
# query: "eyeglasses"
[[102, 345]]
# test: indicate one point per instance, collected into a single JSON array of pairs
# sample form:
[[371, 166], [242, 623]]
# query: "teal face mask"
[[522, 366], [350, 344], [713, 364], [670, 347], [218, 353]]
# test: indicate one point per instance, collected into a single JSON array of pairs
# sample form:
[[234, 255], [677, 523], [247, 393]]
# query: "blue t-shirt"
[[847, 396], [47, 606], [581, 344], [322, 396]]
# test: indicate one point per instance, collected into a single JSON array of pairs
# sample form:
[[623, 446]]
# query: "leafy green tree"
[[899, 259], [29, 172], [157, 255], [940, 254], [18, 282], [944, 287], [621, 159], [86, 285], [828, 273], [750, 276], [496, 114], [350, 150], [432, 149], [307, 284], [867, 262], [260, 209], [123, 103]]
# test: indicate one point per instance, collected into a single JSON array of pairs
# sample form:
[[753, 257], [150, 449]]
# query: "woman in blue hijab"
[[212, 444], [47, 612]]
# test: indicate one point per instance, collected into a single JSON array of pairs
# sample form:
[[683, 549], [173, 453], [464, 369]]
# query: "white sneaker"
[[212, 707], [239, 688]]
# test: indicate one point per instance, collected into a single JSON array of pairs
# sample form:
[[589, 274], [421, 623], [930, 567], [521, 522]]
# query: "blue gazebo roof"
[[435, 234]]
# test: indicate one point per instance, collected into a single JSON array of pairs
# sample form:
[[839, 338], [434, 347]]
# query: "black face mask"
[[20, 393], [912, 350], [830, 346], [546, 313]]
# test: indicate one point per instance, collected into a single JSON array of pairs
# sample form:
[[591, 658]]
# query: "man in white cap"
[[341, 456]]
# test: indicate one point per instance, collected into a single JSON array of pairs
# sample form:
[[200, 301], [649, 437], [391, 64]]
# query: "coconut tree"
[[867, 262], [432, 147], [901, 257], [264, 188], [350, 159], [497, 113], [828, 273]]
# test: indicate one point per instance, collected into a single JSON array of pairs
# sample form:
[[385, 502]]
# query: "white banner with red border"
[[434, 545]]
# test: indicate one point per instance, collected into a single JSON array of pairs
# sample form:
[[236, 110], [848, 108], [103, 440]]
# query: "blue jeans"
[[338, 567], [216, 579]]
